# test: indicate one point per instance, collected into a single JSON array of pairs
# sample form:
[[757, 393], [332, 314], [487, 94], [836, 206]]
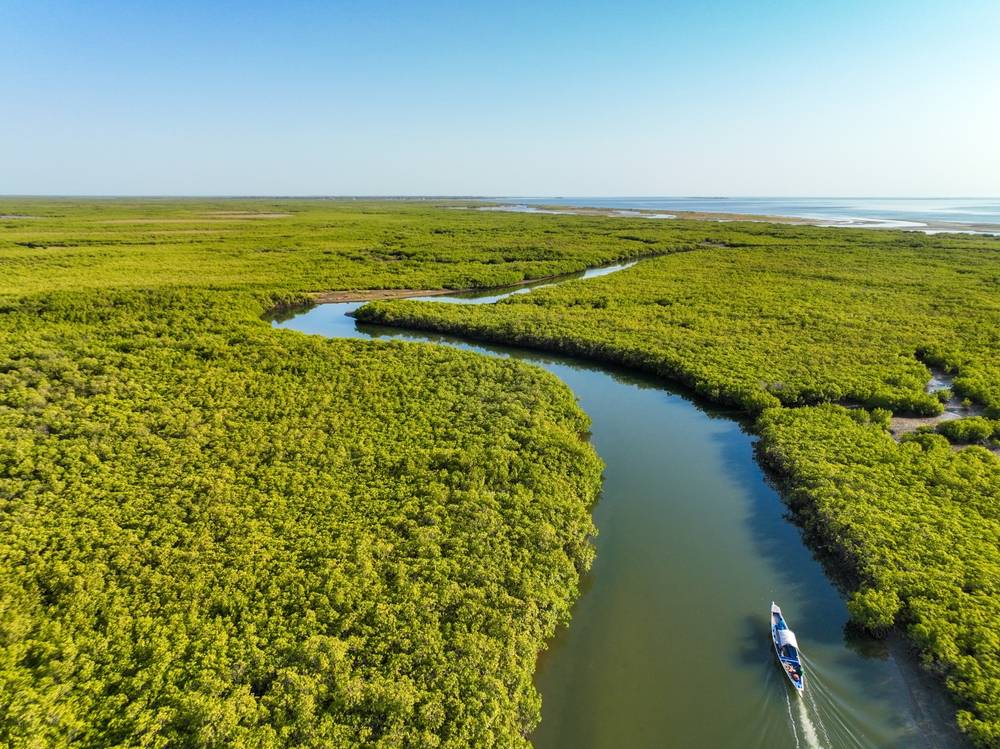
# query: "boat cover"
[[787, 637]]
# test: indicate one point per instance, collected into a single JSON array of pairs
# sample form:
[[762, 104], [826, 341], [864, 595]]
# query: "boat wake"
[[815, 708], [808, 728], [791, 719]]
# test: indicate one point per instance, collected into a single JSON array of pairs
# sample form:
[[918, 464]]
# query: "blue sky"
[[585, 98]]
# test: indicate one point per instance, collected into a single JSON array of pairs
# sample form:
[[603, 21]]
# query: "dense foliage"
[[771, 322], [213, 533], [970, 430], [251, 538], [805, 317], [216, 534], [299, 246]]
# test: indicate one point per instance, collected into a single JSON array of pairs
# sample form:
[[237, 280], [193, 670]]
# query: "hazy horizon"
[[464, 99], [472, 196]]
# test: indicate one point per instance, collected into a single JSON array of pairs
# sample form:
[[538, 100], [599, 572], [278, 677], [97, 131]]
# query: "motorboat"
[[786, 648]]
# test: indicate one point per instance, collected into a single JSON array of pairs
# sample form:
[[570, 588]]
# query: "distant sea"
[[927, 214]]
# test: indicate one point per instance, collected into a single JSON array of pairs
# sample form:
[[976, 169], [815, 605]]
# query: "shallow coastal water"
[[933, 215], [669, 643]]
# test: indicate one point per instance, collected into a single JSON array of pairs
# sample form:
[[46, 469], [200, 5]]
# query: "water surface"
[[927, 214]]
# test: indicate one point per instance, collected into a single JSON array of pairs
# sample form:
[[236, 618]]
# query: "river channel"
[[669, 643]]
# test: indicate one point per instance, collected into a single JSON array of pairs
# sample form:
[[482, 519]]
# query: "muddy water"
[[669, 643]]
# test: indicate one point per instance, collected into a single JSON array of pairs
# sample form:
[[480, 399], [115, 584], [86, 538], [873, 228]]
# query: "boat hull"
[[799, 685], [786, 649]]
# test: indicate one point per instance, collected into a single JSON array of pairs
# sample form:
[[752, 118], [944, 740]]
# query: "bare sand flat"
[[901, 425]]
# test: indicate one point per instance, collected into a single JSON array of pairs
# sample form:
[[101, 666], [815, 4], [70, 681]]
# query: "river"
[[669, 643]]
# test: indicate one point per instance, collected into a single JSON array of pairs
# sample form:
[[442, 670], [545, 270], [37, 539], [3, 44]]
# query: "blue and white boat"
[[786, 648]]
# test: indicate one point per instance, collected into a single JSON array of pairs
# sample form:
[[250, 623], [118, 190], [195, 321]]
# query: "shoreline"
[[929, 227]]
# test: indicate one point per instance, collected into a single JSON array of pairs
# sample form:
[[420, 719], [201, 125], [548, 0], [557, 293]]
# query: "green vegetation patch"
[[219, 534], [777, 321], [970, 430], [215, 534], [796, 317], [296, 245]]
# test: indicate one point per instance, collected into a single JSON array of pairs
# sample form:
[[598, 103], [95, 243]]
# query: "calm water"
[[669, 644], [889, 212]]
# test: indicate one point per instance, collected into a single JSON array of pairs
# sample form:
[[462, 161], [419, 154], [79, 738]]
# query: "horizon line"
[[433, 196]]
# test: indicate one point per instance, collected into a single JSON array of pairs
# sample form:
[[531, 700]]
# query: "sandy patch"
[[953, 409], [901, 425]]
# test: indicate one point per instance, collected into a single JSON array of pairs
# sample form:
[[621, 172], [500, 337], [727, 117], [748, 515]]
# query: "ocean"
[[924, 214]]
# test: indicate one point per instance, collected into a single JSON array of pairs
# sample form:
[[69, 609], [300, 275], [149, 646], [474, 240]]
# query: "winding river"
[[669, 643]]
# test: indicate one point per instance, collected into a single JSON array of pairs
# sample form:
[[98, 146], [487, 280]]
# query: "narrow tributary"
[[669, 643]]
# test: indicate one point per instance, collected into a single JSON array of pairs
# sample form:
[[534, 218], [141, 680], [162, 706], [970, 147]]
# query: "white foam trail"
[[791, 718], [808, 729], [819, 718], [819, 695]]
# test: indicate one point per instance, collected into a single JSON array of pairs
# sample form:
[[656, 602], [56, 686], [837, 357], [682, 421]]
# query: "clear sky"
[[883, 97]]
